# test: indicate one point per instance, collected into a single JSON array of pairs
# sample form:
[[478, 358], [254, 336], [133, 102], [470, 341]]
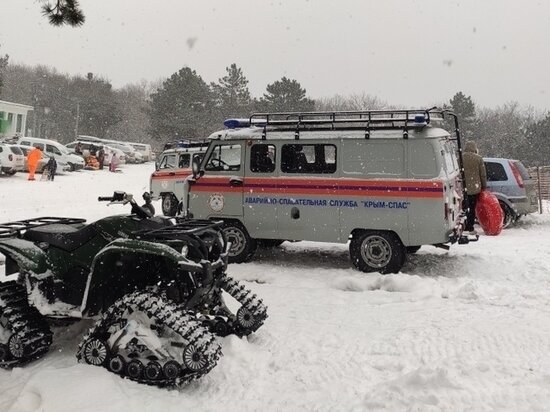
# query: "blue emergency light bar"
[[240, 123]]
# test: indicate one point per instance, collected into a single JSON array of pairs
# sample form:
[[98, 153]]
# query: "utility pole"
[[77, 118]]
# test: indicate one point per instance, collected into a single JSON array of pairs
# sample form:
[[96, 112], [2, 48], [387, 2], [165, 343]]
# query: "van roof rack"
[[366, 120], [184, 143]]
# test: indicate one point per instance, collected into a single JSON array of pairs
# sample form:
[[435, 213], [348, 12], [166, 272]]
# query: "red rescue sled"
[[489, 213]]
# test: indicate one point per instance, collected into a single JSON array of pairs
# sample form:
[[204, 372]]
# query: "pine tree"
[[3, 64], [232, 94], [286, 95], [62, 12], [181, 107], [465, 109]]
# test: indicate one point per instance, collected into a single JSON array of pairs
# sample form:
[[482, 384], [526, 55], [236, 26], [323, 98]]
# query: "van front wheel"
[[373, 251], [169, 204], [242, 245]]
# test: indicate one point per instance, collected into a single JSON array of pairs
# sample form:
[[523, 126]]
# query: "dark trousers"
[[471, 201]]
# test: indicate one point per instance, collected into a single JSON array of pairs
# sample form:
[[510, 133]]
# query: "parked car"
[[512, 184], [61, 166], [144, 149], [85, 147], [55, 149], [12, 159]]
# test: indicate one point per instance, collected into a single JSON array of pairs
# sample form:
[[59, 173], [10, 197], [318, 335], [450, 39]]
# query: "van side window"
[[168, 162], [495, 172], [184, 161], [25, 143], [40, 145], [224, 157], [262, 158], [308, 158], [52, 149]]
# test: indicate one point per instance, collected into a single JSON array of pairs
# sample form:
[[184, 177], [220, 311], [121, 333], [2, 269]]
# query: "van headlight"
[[184, 250]]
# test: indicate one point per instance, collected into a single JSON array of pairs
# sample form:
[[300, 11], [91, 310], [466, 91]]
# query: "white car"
[[12, 159], [109, 150], [55, 149]]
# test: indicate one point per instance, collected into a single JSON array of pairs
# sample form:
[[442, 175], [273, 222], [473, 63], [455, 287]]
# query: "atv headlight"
[[185, 250]]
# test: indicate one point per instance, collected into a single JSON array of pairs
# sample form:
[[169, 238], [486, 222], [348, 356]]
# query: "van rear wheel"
[[374, 251], [242, 245]]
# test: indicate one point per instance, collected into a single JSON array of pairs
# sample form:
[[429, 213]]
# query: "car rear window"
[[495, 172], [16, 150], [523, 171]]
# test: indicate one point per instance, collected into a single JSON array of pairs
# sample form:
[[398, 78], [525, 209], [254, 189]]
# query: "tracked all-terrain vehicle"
[[154, 285]]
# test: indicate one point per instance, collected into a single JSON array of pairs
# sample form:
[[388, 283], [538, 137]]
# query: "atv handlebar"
[[125, 198]]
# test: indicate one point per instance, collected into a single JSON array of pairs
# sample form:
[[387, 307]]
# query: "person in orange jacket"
[[33, 158]]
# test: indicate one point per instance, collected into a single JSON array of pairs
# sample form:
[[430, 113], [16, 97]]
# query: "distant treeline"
[[185, 106]]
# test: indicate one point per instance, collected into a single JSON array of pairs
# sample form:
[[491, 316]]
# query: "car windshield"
[[16, 150]]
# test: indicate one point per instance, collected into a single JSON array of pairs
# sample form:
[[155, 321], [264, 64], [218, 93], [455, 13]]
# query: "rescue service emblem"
[[216, 202], [164, 184]]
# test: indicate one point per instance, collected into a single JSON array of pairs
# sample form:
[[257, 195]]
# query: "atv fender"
[[102, 272], [25, 254]]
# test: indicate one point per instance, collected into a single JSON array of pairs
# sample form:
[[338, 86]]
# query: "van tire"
[[509, 217], [169, 204], [243, 246], [269, 243], [377, 251]]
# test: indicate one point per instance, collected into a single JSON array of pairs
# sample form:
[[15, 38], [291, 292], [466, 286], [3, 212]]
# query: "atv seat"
[[65, 237]]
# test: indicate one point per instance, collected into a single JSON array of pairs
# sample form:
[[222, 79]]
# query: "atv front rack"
[[181, 229], [12, 229]]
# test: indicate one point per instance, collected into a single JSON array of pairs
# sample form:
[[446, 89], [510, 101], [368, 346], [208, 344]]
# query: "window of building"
[[495, 172], [19, 123], [262, 158], [308, 158], [10, 117], [224, 157]]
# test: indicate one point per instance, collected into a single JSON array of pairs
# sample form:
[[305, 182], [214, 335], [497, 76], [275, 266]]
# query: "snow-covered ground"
[[467, 329]]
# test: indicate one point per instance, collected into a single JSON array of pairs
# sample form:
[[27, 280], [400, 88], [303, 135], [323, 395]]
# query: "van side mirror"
[[196, 168], [156, 166]]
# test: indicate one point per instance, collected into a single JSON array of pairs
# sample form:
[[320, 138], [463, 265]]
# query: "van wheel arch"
[[377, 251]]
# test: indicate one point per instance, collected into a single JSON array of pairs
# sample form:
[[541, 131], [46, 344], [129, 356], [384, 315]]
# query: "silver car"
[[512, 184]]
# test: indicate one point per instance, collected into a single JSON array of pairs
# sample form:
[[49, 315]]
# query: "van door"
[[261, 191], [219, 192], [307, 207]]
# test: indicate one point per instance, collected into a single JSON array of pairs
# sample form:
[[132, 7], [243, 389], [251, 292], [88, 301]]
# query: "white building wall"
[[15, 115]]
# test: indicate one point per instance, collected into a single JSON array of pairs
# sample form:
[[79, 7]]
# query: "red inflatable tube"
[[489, 213]]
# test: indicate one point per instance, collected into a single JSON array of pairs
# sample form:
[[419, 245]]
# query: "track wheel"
[[193, 359], [245, 318], [16, 346], [96, 352], [117, 364], [153, 371], [221, 328], [171, 369], [135, 369], [4, 353]]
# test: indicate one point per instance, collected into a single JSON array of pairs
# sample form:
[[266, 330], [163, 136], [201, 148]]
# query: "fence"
[[541, 175]]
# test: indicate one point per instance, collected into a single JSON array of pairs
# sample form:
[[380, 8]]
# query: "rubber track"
[[24, 320], [169, 315], [249, 301]]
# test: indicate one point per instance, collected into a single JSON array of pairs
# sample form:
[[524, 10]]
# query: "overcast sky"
[[405, 52]]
